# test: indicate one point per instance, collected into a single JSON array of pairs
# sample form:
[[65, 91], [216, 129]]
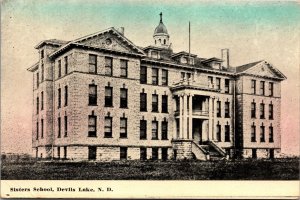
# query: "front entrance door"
[[197, 130]]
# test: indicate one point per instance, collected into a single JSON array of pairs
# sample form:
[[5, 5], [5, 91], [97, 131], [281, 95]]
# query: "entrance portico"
[[194, 114]]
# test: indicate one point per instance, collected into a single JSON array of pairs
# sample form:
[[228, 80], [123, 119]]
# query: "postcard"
[[150, 99]]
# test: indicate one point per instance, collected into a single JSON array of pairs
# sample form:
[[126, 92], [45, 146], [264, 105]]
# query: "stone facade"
[[199, 101]]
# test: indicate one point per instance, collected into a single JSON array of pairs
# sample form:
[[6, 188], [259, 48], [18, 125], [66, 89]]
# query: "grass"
[[279, 169]]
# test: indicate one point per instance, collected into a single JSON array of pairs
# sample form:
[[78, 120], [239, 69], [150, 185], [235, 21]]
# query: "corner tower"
[[161, 36]]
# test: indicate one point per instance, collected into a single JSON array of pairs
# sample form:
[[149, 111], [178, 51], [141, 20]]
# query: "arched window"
[[164, 41]]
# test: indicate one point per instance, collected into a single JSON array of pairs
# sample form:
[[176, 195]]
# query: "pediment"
[[111, 40], [265, 69]]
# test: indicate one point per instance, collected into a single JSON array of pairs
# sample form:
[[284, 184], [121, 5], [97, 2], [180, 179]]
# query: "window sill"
[[154, 139], [90, 136], [92, 105], [165, 139], [108, 106], [143, 138], [165, 112], [154, 111], [108, 137], [124, 107], [143, 110], [123, 137]]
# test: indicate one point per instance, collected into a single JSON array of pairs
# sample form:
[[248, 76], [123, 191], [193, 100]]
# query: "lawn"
[[280, 169]]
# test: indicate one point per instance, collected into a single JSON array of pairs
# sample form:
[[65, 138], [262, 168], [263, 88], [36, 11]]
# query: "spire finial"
[[160, 17]]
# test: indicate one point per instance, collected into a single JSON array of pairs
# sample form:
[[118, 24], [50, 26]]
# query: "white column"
[[210, 119], [180, 116], [190, 136], [185, 116]]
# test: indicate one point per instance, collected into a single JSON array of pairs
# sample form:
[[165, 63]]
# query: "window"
[[66, 126], [59, 127], [164, 130], [65, 152], [253, 110], [271, 88], [219, 132], [188, 76], [262, 111], [154, 130], [59, 68], [254, 154], [182, 75], [271, 135], [143, 129], [218, 82], [37, 130], [37, 79], [227, 82], [143, 101], [42, 53], [58, 152], [93, 64], [164, 104], [210, 82], [262, 88], [227, 111], [123, 98], [143, 75], [218, 108], [66, 95], [143, 153], [227, 133], [123, 153], [43, 71], [164, 78], [123, 127], [92, 94], [92, 126], [59, 98], [271, 116], [154, 103], [108, 66], [253, 133], [42, 128], [124, 68], [42, 100], [108, 127], [262, 133], [37, 105], [271, 154], [253, 86], [154, 153], [92, 153], [66, 64], [164, 154], [108, 96], [154, 76]]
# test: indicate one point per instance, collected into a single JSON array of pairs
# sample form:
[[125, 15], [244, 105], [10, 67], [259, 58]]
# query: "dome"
[[161, 28]]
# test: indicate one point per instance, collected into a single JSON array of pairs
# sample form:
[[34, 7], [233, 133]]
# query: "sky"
[[252, 30]]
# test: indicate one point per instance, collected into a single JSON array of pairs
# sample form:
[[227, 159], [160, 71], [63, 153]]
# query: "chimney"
[[121, 30], [225, 57]]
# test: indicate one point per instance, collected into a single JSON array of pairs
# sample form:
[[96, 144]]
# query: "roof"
[[51, 42], [33, 67], [161, 28], [246, 66]]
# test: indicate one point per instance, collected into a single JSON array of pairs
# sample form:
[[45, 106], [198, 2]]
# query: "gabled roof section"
[[54, 42], [252, 68], [112, 30], [243, 68]]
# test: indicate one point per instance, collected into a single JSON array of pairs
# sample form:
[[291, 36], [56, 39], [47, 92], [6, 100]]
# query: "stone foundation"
[[183, 149]]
